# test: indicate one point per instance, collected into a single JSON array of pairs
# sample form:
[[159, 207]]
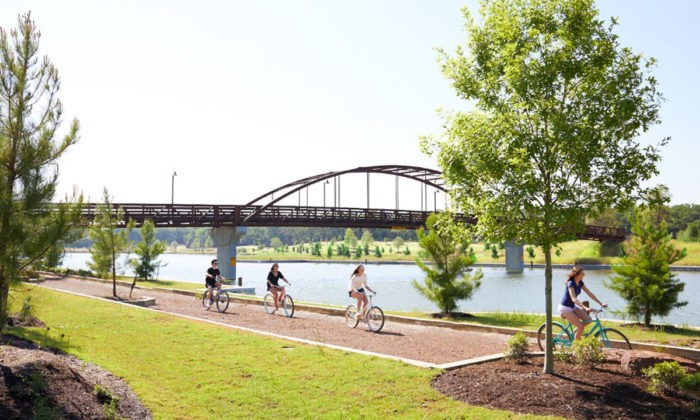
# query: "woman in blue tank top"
[[569, 302]]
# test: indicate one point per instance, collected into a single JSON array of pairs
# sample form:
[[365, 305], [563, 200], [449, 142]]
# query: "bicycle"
[[287, 303], [374, 316], [563, 336], [219, 296]]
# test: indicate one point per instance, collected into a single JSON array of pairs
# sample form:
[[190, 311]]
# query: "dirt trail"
[[434, 345]]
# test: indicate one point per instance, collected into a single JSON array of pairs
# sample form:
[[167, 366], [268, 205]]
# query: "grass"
[[663, 335], [187, 369]]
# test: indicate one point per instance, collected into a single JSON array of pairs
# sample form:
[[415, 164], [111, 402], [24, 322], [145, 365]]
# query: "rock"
[[633, 361]]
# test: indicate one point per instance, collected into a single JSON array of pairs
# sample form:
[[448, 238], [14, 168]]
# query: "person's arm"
[[283, 278], [352, 289], [589, 293], [367, 286], [572, 294]]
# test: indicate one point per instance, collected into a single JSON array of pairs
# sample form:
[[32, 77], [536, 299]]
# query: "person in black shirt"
[[213, 279], [273, 284]]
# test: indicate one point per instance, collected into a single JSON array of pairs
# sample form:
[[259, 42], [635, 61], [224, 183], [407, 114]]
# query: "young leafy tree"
[[108, 242], [30, 146], [558, 103], [447, 258], [148, 251], [644, 278], [350, 239]]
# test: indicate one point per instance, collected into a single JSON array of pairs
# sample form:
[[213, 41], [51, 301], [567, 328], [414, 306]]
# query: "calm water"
[[327, 283]]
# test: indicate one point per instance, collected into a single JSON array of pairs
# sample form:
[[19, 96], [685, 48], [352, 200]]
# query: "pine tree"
[[446, 261], [644, 279], [107, 241], [148, 250], [30, 146]]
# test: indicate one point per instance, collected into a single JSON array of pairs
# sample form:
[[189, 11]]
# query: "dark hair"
[[357, 269], [214, 261], [273, 266], [573, 273]]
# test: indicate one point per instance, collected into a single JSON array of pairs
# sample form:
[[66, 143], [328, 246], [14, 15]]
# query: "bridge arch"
[[429, 177]]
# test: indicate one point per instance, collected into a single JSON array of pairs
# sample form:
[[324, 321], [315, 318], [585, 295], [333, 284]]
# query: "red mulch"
[[605, 392]]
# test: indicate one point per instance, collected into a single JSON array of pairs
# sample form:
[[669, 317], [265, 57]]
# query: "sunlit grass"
[[187, 369]]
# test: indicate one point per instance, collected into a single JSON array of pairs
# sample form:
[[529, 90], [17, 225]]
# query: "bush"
[[665, 377], [588, 352], [690, 384], [517, 348]]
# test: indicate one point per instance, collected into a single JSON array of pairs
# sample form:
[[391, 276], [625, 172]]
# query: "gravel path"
[[428, 344]]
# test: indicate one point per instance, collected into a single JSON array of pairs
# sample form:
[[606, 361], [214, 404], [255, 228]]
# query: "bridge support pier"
[[226, 239], [514, 257]]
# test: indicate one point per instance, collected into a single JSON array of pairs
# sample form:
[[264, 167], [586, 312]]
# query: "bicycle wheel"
[[560, 336], [222, 302], [351, 319], [269, 303], [615, 339], [288, 306], [206, 303], [375, 319]]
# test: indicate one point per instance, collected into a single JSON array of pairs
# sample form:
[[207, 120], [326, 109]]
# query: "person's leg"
[[358, 297], [275, 295], [575, 321], [281, 293], [364, 304]]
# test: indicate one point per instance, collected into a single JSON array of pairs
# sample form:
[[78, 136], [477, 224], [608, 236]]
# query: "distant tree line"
[[197, 238], [683, 220]]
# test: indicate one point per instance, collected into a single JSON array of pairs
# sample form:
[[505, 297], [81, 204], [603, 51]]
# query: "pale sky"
[[241, 97]]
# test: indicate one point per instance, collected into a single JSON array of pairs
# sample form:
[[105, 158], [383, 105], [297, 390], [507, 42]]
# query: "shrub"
[[664, 377], [588, 351], [517, 348], [691, 384]]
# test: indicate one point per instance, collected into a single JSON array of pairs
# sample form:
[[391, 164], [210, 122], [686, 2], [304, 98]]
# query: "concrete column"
[[514, 257], [226, 239]]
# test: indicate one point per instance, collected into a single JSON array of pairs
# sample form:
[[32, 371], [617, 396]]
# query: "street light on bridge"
[[324, 192], [172, 189]]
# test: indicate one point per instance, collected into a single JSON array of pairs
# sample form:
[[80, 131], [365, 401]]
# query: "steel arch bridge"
[[271, 213]]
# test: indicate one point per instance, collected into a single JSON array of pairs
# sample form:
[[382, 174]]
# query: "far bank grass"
[[570, 253], [188, 369]]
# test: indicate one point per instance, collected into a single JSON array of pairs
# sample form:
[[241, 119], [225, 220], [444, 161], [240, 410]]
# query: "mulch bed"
[[582, 393]]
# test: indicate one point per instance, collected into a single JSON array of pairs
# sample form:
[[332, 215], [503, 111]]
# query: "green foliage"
[[27, 310], [30, 147], [644, 279], [587, 352], [350, 239], [517, 348], [543, 150], [494, 252], [276, 243], [108, 241], [148, 250], [447, 257], [691, 233], [377, 252], [398, 242], [530, 251], [367, 239], [406, 251], [664, 377]]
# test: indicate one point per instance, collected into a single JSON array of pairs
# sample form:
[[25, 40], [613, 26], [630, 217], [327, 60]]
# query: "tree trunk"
[[114, 275], [4, 308], [647, 317], [549, 353]]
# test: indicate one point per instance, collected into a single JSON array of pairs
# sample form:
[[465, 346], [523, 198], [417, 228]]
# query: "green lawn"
[[187, 369]]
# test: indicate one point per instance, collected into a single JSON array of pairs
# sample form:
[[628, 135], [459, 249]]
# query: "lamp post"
[[172, 189], [324, 192]]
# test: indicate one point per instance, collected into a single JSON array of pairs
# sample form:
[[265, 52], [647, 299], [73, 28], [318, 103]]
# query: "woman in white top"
[[357, 286]]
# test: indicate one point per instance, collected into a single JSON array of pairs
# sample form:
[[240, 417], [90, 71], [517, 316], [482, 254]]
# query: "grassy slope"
[[188, 369], [570, 253]]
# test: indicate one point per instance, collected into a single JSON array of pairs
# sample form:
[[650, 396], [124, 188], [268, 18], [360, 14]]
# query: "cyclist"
[[273, 286], [568, 309], [213, 279], [356, 288]]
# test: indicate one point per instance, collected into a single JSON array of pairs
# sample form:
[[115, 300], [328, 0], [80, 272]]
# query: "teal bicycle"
[[563, 336]]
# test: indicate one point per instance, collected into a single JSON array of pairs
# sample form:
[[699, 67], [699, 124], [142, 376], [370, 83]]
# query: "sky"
[[241, 97]]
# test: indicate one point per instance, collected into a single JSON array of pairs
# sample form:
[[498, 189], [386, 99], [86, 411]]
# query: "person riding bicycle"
[[568, 309], [273, 286], [213, 279], [356, 288]]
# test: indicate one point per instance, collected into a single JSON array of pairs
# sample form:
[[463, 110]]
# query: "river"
[[499, 291]]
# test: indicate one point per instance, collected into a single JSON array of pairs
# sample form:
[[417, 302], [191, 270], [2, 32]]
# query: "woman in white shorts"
[[570, 307]]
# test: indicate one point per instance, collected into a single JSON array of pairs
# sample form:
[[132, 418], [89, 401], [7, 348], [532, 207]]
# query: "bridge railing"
[[208, 215]]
